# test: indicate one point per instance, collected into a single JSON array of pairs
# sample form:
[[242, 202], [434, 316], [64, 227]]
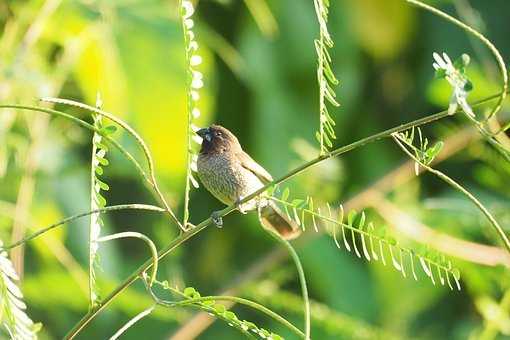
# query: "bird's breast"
[[225, 178]]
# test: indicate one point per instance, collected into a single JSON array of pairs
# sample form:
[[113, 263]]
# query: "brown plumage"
[[230, 174]]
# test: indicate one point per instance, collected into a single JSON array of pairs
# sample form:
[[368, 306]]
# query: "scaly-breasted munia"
[[230, 174]]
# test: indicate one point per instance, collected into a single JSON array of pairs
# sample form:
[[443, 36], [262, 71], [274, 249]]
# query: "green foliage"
[[376, 244], [455, 74], [131, 52], [189, 294], [325, 77], [12, 308], [97, 200], [424, 153], [194, 84]]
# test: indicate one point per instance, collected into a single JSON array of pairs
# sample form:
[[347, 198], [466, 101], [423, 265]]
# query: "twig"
[[302, 279], [148, 241], [461, 189], [74, 217], [131, 322], [235, 299]]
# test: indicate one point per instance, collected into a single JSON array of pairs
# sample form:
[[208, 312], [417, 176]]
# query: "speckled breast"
[[225, 178]]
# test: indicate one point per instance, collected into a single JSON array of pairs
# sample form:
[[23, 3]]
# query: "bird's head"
[[218, 139]]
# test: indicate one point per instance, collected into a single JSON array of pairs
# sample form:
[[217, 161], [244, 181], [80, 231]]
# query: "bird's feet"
[[216, 219], [239, 206]]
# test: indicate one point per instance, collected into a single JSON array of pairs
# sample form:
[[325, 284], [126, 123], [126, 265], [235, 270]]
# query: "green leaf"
[[102, 161], [462, 62], [230, 315], [362, 220], [285, 194], [468, 86], [102, 185], [99, 170], [108, 130], [432, 152], [351, 217], [101, 201], [318, 136], [440, 73], [209, 303], [189, 291], [297, 203], [100, 145], [456, 273], [219, 308]]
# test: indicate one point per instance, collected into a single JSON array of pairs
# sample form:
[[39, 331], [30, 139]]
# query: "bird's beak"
[[205, 134]]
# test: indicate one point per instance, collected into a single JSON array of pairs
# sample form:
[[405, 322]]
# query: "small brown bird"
[[230, 174]]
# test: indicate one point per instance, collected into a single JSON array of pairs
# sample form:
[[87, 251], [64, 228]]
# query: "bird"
[[230, 174]]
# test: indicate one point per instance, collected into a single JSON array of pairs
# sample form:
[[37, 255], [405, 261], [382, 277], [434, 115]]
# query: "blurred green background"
[[260, 82]]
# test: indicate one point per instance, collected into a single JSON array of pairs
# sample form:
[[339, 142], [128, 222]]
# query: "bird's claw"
[[217, 219]]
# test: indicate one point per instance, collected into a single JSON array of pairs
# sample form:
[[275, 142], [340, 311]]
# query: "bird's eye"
[[218, 134]]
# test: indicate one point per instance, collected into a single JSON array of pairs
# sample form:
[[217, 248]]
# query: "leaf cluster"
[[358, 235]]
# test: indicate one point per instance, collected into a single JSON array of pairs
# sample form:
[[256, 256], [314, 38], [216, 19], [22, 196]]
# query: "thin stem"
[[148, 241], [189, 234], [77, 216], [248, 303], [460, 188], [483, 39], [132, 132], [302, 279], [95, 219], [131, 322], [264, 18], [208, 309], [85, 125], [235, 299]]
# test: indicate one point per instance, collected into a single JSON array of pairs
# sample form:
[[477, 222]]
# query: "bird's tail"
[[273, 218]]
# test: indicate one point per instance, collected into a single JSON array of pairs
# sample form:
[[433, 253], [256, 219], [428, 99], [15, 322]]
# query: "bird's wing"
[[248, 163]]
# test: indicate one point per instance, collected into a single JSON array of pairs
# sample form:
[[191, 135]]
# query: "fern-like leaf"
[[97, 200], [325, 77], [221, 312], [12, 308], [362, 238], [423, 153], [194, 84]]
